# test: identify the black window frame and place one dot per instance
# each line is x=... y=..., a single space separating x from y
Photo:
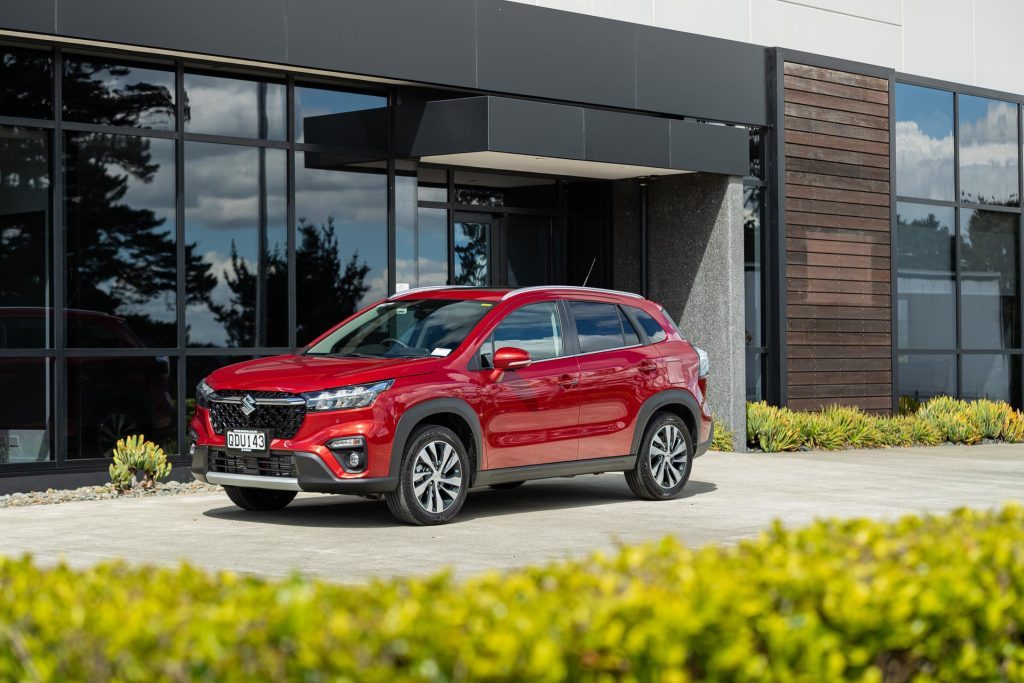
x=960 y=208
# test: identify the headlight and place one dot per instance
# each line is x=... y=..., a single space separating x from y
x=204 y=392
x=704 y=363
x=343 y=398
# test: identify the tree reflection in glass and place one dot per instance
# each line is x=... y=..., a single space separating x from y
x=119 y=211
x=118 y=94
x=25 y=237
x=235 y=216
x=989 y=279
x=925 y=277
x=472 y=254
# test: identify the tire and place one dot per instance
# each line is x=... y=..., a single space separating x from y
x=654 y=477
x=507 y=485
x=259 y=500
x=433 y=478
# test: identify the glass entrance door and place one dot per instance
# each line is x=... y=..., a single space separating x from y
x=472 y=256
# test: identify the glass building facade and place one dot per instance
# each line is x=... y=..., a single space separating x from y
x=957 y=245
x=161 y=219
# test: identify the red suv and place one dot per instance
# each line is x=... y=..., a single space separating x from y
x=435 y=391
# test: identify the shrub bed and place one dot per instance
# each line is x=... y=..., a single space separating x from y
x=939 y=420
x=933 y=598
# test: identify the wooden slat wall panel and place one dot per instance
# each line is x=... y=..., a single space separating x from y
x=838 y=315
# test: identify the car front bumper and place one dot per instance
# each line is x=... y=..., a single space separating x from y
x=311 y=475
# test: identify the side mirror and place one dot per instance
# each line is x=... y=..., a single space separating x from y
x=511 y=358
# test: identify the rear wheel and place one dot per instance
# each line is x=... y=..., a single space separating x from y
x=260 y=500
x=664 y=461
x=433 y=478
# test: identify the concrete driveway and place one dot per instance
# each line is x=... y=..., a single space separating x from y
x=730 y=496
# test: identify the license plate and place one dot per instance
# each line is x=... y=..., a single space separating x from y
x=247 y=440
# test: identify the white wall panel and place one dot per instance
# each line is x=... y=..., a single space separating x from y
x=938 y=39
x=998 y=26
x=827 y=33
x=887 y=11
x=719 y=18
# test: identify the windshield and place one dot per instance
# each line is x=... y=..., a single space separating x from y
x=405 y=329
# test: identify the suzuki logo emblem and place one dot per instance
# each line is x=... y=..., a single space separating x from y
x=248 y=405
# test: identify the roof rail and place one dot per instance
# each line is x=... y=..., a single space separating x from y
x=417 y=290
x=523 y=290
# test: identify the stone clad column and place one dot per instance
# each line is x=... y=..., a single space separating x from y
x=695 y=270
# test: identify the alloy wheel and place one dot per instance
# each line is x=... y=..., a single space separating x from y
x=436 y=476
x=668 y=456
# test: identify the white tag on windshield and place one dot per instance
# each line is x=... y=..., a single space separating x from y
x=440 y=352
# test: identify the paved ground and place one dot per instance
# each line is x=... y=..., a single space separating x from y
x=729 y=497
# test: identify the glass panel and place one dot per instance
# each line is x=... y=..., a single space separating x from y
x=356 y=121
x=341 y=241
x=924 y=142
x=652 y=328
x=432 y=185
x=534 y=328
x=421 y=240
x=472 y=253
x=989 y=273
x=26 y=410
x=629 y=334
x=235 y=200
x=988 y=151
x=753 y=263
x=921 y=376
x=110 y=398
x=528 y=250
x=755 y=376
x=490 y=189
x=118 y=93
x=411 y=327
x=757 y=154
x=926 y=303
x=121 y=261
x=235 y=106
x=995 y=377
x=25 y=248
x=26 y=83
x=196 y=370
x=597 y=326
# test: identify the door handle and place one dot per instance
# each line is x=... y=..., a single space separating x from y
x=647 y=366
x=567 y=381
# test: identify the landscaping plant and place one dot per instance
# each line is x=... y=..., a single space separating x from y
x=938 y=598
x=722 y=440
x=938 y=420
x=133 y=455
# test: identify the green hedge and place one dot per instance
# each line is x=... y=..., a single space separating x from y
x=939 y=420
x=930 y=599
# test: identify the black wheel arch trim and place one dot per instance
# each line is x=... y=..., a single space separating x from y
x=657 y=402
x=418 y=413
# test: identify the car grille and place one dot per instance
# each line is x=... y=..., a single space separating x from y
x=272 y=465
x=282 y=421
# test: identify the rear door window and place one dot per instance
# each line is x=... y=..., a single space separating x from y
x=600 y=326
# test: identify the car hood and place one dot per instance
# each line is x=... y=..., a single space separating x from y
x=295 y=374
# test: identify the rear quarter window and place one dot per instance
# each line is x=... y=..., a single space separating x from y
x=651 y=327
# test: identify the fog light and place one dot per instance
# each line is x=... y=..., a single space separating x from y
x=350 y=452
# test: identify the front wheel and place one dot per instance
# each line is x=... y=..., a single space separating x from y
x=259 y=500
x=433 y=478
x=664 y=461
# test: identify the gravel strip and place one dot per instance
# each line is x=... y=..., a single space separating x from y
x=105 y=492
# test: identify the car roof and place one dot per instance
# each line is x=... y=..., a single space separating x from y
x=502 y=294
